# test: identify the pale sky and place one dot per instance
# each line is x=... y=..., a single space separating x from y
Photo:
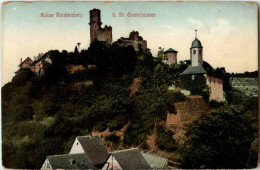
x=227 y=30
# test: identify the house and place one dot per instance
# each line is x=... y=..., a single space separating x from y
x=93 y=147
x=27 y=63
x=68 y=161
x=126 y=159
x=155 y=162
x=170 y=56
x=36 y=65
x=200 y=68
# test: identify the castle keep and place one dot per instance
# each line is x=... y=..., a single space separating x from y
x=96 y=31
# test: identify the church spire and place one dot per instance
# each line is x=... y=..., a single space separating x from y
x=195 y=34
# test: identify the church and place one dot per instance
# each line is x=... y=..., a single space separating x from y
x=199 y=68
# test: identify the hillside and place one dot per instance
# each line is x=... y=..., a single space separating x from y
x=246 y=85
x=125 y=98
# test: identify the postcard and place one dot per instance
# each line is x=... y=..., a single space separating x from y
x=129 y=85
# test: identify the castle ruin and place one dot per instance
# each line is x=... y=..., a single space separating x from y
x=96 y=31
x=134 y=40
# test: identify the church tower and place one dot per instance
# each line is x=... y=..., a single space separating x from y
x=196 y=52
x=95 y=23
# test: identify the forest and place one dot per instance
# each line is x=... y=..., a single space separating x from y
x=42 y=115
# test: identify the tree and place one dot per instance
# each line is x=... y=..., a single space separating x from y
x=219 y=140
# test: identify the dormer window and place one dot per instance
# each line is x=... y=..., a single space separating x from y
x=194 y=51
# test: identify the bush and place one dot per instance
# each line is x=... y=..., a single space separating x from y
x=113 y=138
x=216 y=104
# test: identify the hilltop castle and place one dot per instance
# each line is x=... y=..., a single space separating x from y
x=105 y=34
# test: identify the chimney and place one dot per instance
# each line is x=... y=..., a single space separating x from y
x=21 y=60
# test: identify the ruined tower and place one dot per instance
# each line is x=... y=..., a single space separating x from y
x=96 y=32
x=196 y=52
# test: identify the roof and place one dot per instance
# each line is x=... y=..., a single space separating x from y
x=28 y=58
x=131 y=159
x=94 y=148
x=40 y=57
x=155 y=161
x=170 y=50
x=194 y=70
x=200 y=69
x=71 y=161
x=196 y=44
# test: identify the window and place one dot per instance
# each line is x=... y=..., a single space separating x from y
x=77 y=143
x=194 y=51
x=200 y=52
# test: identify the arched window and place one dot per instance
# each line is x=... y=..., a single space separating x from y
x=194 y=51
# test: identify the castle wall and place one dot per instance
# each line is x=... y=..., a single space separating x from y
x=216 y=88
x=192 y=108
x=105 y=34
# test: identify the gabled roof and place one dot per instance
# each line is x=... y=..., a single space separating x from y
x=131 y=159
x=170 y=50
x=28 y=58
x=71 y=161
x=155 y=161
x=40 y=57
x=94 y=148
x=194 y=70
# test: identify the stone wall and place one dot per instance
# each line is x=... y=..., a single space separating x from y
x=192 y=108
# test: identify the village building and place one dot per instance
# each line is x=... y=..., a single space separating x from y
x=89 y=152
x=170 y=56
x=36 y=65
x=134 y=40
x=68 y=161
x=155 y=162
x=93 y=147
x=200 y=67
x=96 y=31
x=126 y=159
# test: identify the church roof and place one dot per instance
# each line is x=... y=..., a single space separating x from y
x=196 y=44
x=70 y=161
x=171 y=50
x=194 y=70
x=131 y=159
x=94 y=148
x=200 y=69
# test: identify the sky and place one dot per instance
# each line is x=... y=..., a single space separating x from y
x=227 y=30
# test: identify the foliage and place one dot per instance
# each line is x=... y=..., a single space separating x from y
x=165 y=139
x=112 y=138
x=221 y=139
x=41 y=116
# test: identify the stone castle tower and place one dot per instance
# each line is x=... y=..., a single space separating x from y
x=96 y=31
x=196 y=52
